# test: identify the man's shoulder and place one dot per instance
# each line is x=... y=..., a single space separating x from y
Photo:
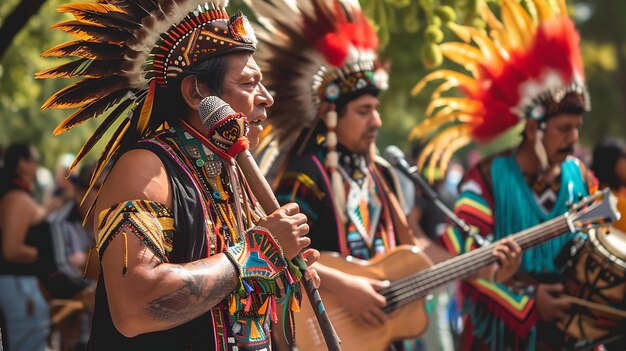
x=139 y=174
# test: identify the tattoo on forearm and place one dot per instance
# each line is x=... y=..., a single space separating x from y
x=197 y=295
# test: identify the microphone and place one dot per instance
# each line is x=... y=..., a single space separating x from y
x=395 y=156
x=214 y=112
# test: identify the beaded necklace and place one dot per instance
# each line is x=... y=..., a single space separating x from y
x=220 y=179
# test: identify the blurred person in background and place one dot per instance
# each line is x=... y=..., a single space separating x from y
x=61 y=191
x=65 y=246
x=609 y=165
x=23 y=307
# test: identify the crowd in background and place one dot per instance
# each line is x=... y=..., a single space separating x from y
x=46 y=281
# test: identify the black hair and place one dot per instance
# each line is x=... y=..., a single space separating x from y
x=342 y=102
x=12 y=156
x=169 y=101
x=605 y=155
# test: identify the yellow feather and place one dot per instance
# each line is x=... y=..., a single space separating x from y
x=83 y=6
x=440 y=120
x=502 y=44
x=456 y=78
x=461 y=31
x=544 y=11
x=518 y=22
x=464 y=105
x=457 y=144
x=489 y=17
x=465 y=55
x=74 y=29
x=146 y=110
x=443 y=141
x=487 y=48
x=562 y=8
x=428 y=149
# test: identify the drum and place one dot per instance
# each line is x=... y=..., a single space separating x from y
x=595 y=283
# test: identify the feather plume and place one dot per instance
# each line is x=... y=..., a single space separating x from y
x=110 y=150
x=511 y=64
x=91 y=110
x=85 y=91
x=102 y=128
x=89 y=31
x=83 y=67
x=102 y=14
x=86 y=49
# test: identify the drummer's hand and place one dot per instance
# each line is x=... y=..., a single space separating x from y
x=509 y=256
x=550 y=304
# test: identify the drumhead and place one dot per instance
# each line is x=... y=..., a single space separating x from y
x=611 y=242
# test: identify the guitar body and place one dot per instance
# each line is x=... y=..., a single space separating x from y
x=406 y=322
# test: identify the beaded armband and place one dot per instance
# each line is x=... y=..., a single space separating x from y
x=150 y=222
x=263 y=273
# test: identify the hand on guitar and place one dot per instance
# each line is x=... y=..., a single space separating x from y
x=361 y=299
x=509 y=256
x=550 y=304
x=289 y=227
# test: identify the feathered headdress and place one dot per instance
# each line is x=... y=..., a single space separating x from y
x=313 y=51
x=310 y=52
x=126 y=49
x=527 y=66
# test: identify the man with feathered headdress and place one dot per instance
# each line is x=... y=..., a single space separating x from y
x=189 y=260
x=323 y=71
x=526 y=69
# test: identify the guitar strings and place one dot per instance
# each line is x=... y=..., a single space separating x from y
x=417 y=284
x=426 y=279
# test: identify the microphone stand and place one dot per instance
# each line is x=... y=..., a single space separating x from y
x=431 y=195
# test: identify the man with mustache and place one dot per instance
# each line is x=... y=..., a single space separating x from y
x=177 y=230
x=541 y=84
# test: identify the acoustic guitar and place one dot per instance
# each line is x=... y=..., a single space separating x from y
x=413 y=277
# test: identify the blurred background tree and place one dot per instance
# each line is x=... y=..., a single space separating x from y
x=408 y=29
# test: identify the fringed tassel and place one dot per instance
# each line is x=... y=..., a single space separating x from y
x=332 y=162
x=242 y=144
x=88 y=261
x=540 y=149
x=125 y=267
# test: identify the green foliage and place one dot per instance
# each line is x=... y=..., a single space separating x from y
x=407 y=29
x=410 y=51
x=21 y=95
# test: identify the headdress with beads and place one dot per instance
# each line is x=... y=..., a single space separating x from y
x=527 y=65
x=313 y=52
x=127 y=49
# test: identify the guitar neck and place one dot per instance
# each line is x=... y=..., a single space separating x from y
x=420 y=284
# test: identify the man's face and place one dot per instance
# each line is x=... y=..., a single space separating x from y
x=245 y=93
x=560 y=136
x=358 y=127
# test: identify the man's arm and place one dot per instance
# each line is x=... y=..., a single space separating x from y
x=154 y=295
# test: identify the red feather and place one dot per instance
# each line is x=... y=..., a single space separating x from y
x=555 y=49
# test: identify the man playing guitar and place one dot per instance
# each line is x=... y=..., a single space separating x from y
x=526 y=186
x=331 y=170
